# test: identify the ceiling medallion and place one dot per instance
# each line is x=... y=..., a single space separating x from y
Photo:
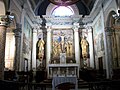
x=63 y=2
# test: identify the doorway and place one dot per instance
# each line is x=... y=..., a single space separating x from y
x=25 y=65
x=100 y=64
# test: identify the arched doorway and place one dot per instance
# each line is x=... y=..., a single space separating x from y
x=114 y=36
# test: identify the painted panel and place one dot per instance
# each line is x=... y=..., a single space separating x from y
x=98 y=36
x=62 y=42
x=27 y=39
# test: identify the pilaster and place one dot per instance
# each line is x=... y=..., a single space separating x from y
x=48 y=43
x=91 y=47
x=34 y=63
x=76 y=42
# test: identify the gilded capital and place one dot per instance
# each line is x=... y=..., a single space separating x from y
x=34 y=30
x=89 y=28
x=76 y=26
x=48 y=25
x=4 y=20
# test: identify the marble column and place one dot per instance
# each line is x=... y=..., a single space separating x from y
x=34 y=63
x=17 y=47
x=108 y=51
x=3 y=24
x=76 y=43
x=48 y=44
x=91 y=47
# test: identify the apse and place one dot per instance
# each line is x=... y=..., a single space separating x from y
x=63 y=11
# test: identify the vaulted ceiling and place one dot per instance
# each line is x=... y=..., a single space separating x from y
x=40 y=6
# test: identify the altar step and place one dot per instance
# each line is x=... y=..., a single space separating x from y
x=81 y=83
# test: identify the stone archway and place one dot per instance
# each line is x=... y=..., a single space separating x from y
x=113 y=39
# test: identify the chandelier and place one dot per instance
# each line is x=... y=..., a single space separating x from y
x=63 y=2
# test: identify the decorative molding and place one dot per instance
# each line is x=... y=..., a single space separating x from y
x=109 y=29
x=112 y=29
x=63 y=2
x=61 y=22
x=116 y=27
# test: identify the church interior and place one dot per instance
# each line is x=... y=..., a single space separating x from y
x=60 y=44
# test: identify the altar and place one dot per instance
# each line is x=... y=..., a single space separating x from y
x=63 y=70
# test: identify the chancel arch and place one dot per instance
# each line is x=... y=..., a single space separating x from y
x=62 y=40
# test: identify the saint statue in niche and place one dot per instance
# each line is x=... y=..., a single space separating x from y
x=84 y=46
x=41 y=49
x=56 y=48
x=55 y=51
x=69 y=48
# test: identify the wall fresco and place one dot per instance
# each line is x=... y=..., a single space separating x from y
x=27 y=38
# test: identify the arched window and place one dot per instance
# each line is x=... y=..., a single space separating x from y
x=63 y=11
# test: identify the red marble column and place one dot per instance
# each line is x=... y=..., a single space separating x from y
x=2 y=49
x=17 y=46
x=4 y=22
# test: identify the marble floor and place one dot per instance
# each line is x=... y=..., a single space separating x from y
x=70 y=89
